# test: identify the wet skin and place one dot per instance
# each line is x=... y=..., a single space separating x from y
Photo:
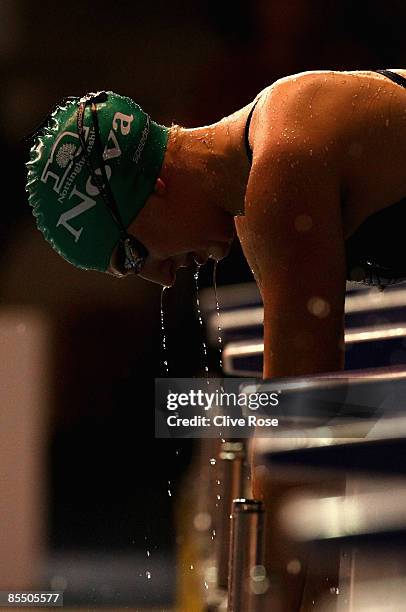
x=329 y=150
x=180 y=231
x=185 y=248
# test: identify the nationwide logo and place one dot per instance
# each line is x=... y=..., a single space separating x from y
x=65 y=155
x=65 y=152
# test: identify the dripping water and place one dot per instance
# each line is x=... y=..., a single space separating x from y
x=164 y=366
x=199 y=316
x=219 y=334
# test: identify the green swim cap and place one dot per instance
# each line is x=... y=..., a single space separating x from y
x=68 y=206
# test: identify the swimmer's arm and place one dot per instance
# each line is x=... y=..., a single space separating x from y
x=300 y=272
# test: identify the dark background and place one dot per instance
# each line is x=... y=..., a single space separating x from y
x=185 y=62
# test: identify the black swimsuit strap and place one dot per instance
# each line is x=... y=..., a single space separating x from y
x=247 y=132
x=393 y=76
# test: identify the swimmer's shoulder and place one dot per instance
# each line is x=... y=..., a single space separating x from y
x=292 y=110
x=325 y=106
x=304 y=82
x=307 y=93
x=311 y=94
x=352 y=123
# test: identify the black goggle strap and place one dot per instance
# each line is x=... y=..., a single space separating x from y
x=134 y=251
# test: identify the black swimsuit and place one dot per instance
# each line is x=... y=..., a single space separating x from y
x=375 y=253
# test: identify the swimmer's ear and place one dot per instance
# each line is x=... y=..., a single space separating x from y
x=160 y=187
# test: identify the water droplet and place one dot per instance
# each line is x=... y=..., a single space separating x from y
x=200 y=319
x=192 y=567
x=212 y=461
x=318 y=307
x=311 y=152
x=294 y=567
x=219 y=336
x=163 y=336
x=169 y=493
x=218 y=482
x=202 y=521
x=148 y=575
x=148 y=553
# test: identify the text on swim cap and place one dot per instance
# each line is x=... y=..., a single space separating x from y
x=63 y=155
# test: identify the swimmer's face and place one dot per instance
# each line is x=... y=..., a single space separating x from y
x=179 y=234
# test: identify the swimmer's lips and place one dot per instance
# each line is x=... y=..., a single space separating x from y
x=187 y=261
x=200 y=258
x=192 y=259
